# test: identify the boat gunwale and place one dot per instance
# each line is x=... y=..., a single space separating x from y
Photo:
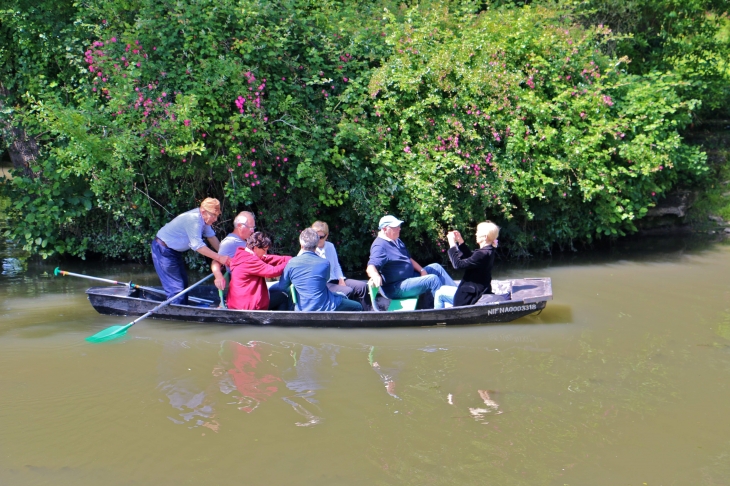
x=473 y=314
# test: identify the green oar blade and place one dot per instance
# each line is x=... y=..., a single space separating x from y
x=109 y=333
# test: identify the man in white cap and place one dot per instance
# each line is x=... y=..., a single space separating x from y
x=391 y=267
x=184 y=233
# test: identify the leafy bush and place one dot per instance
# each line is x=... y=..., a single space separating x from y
x=684 y=37
x=301 y=110
x=517 y=116
x=194 y=99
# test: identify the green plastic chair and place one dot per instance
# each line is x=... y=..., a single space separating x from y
x=294 y=296
x=224 y=293
x=395 y=304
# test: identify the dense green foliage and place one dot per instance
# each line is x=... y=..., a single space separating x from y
x=341 y=111
x=681 y=36
x=519 y=117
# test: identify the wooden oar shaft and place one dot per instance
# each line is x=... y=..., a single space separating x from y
x=163 y=304
x=106 y=280
x=128 y=284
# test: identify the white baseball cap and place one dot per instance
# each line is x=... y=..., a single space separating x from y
x=389 y=220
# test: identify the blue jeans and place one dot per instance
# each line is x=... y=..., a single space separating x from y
x=443 y=295
x=170 y=267
x=348 y=305
x=417 y=285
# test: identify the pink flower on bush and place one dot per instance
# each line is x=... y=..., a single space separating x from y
x=240 y=102
x=407 y=150
x=186 y=123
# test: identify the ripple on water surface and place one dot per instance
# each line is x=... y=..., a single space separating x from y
x=621 y=380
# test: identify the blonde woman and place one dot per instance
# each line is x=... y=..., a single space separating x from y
x=477 y=264
x=356 y=290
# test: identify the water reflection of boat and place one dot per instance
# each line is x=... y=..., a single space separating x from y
x=528 y=295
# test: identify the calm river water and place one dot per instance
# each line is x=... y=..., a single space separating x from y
x=623 y=379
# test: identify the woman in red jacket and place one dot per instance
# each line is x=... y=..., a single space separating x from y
x=250 y=268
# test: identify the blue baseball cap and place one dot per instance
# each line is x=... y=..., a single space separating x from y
x=389 y=220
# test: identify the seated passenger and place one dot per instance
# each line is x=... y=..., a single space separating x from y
x=352 y=289
x=478 y=264
x=309 y=274
x=392 y=267
x=250 y=268
x=243 y=227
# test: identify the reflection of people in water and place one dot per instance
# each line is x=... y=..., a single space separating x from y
x=248 y=373
x=193 y=400
x=254 y=374
x=249 y=377
x=479 y=414
x=191 y=405
x=303 y=379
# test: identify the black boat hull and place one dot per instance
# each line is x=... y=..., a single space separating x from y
x=528 y=296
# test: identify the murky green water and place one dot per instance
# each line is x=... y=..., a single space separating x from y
x=623 y=379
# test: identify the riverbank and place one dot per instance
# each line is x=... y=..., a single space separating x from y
x=701 y=206
x=712 y=205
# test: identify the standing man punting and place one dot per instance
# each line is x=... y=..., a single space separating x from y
x=183 y=233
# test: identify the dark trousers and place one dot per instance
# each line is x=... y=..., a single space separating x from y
x=279 y=299
x=356 y=290
x=170 y=267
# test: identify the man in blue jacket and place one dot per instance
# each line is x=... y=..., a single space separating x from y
x=391 y=266
x=309 y=274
